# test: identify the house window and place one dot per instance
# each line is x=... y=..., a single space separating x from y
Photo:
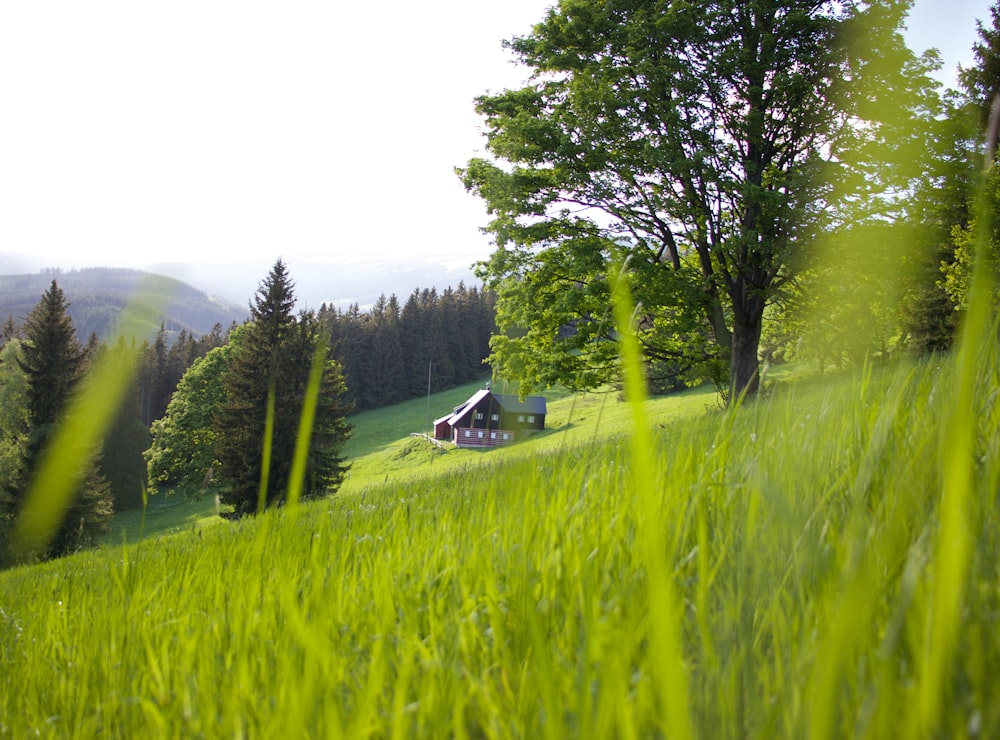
x=506 y=436
x=495 y=417
x=468 y=433
x=479 y=416
x=531 y=419
x=520 y=418
x=480 y=435
x=493 y=435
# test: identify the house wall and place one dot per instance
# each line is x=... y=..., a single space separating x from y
x=521 y=420
x=468 y=437
x=496 y=417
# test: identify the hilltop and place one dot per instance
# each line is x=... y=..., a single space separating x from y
x=97 y=296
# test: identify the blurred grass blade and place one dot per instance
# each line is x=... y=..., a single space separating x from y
x=665 y=629
x=265 y=455
x=306 y=421
x=953 y=549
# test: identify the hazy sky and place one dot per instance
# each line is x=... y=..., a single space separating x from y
x=134 y=133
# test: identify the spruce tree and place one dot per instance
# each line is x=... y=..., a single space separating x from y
x=271 y=359
x=53 y=363
x=981 y=80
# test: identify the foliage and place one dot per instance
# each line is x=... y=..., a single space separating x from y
x=691 y=139
x=13 y=428
x=981 y=80
x=943 y=204
x=163 y=364
x=957 y=275
x=181 y=457
x=257 y=423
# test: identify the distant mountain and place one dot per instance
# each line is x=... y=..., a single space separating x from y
x=338 y=279
x=97 y=296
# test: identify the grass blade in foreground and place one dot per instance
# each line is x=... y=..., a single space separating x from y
x=306 y=421
x=654 y=537
x=953 y=549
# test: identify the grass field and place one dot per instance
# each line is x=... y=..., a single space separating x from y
x=776 y=570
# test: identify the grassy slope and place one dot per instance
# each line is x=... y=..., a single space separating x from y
x=380 y=448
x=798 y=538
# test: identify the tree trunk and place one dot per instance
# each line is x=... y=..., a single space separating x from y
x=744 y=368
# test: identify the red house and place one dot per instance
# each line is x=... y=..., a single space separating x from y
x=491 y=419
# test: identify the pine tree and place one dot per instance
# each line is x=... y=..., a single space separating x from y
x=53 y=363
x=981 y=80
x=271 y=359
x=945 y=203
x=325 y=467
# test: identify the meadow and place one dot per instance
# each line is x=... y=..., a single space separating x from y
x=787 y=567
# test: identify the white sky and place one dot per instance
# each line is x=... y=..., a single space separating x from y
x=134 y=133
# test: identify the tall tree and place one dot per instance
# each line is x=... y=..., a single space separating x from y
x=685 y=140
x=265 y=384
x=981 y=80
x=941 y=203
x=53 y=363
x=980 y=86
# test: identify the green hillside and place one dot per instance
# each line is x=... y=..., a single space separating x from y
x=381 y=449
x=789 y=568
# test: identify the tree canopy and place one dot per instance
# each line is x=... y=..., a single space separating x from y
x=705 y=146
x=181 y=457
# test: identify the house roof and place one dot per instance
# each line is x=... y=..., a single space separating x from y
x=513 y=404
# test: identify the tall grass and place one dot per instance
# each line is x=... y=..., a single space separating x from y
x=798 y=538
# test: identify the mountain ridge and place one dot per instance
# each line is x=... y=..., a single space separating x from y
x=336 y=279
x=97 y=296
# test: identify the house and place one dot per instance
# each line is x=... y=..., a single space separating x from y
x=490 y=419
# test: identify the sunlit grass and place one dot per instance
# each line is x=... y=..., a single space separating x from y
x=514 y=600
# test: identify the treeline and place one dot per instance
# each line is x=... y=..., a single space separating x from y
x=389 y=351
